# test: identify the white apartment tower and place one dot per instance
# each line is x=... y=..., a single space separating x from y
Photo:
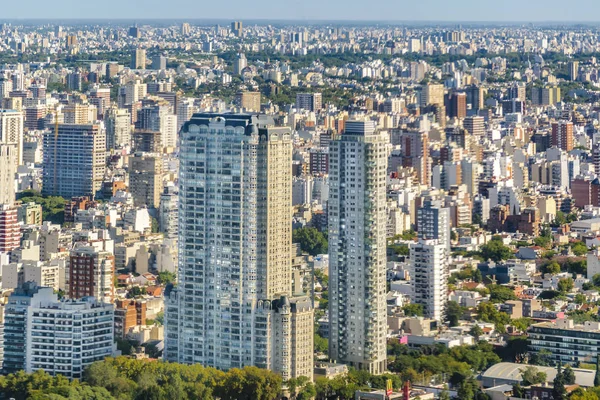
x=118 y=128
x=429 y=276
x=59 y=337
x=232 y=306
x=357 y=247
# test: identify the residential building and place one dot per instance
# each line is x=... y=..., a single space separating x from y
x=74 y=160
x=146 y=179
x=309 y=101
x=91 y=273
x=11 y=131
x=562 y=135
x=8 y=170
x=232 y=303
x=357 y=250
x=118 y=128
x=10 y=231
x=32 y=341
x=138 y=59
x=248 y=101
x=566 y=341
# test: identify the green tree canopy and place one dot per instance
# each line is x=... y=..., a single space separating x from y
x=311 y=240
x=496 y=251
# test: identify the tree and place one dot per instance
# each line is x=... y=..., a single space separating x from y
x=413 y=310
x=518 y=391
x=552 y=268
x=311 y=240
x=559 y=392
x=154 y=228
x=565 y=285
x=597 y=375
x=166 y=277
x=501 y=294
x=580 y=299
x=453 y=313
x=320 y=343
x=476 y=331
x=543 y=241
x=532 y=376
x=569 y=375
x=496 y=251
x=579 y=249
x=521 y=323
x=541 y=358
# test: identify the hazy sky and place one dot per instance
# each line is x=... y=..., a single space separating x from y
x=389 y=10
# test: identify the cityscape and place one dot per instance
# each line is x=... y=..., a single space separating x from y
x=299 y=209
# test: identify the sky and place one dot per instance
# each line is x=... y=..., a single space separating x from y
x=357 y=10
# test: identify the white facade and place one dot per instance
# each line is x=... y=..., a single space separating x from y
x=57 y=337
x=429 y=276
x=11 y=131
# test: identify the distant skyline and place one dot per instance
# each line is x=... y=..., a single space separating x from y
x=298 y=10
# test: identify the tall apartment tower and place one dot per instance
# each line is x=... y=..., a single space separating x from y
x=86 y=332
x=429 y=276
x=232 y=307
x=433 y=222
x=237 y=28
x=429 y=258
x=474 y=125
x=8 y=169
x=357 y=242
x=415 y=153
x=74 y=160
x=10 y=229
x=11 y=131
x=168 y=211
x=138 y=59
x=91 y=273
x=562 y=135
x=118 y=128
x=146 y=179
x=432 y=94
x=309 y=101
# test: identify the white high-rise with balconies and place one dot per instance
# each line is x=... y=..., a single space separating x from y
x=429 y=276
x=232 y=306
x=357 y=247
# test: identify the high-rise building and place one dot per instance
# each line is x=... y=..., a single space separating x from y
x=309 y=101
x=232 y=306
x=159 y=118
x=168 y=211
x=250 y=101
x=91 y=273
x=146 y=179
x=475 y=97
x=545 y=96
x=185 y=110
x=239 y=64
x=74 y=81
x=86 y=332
x=74 y=160
x=138 y=59
x=185 y=29
x=11 y=131
x=415 y=153
x=147 y=141
x=456 y=105
x=118 y=128
x=10 y=230
x=237 y=28
x=159 y=62
x=562 y=135
x=474 y=125
x=135 y=32
x=8 y=169
x=429 y=277
x=433 y=222
x=432 y=94
x=573 y=70
x=357 y=242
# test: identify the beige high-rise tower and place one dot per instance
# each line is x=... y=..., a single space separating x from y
x=233 y=304
x=357 y=247
x=146 y=179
